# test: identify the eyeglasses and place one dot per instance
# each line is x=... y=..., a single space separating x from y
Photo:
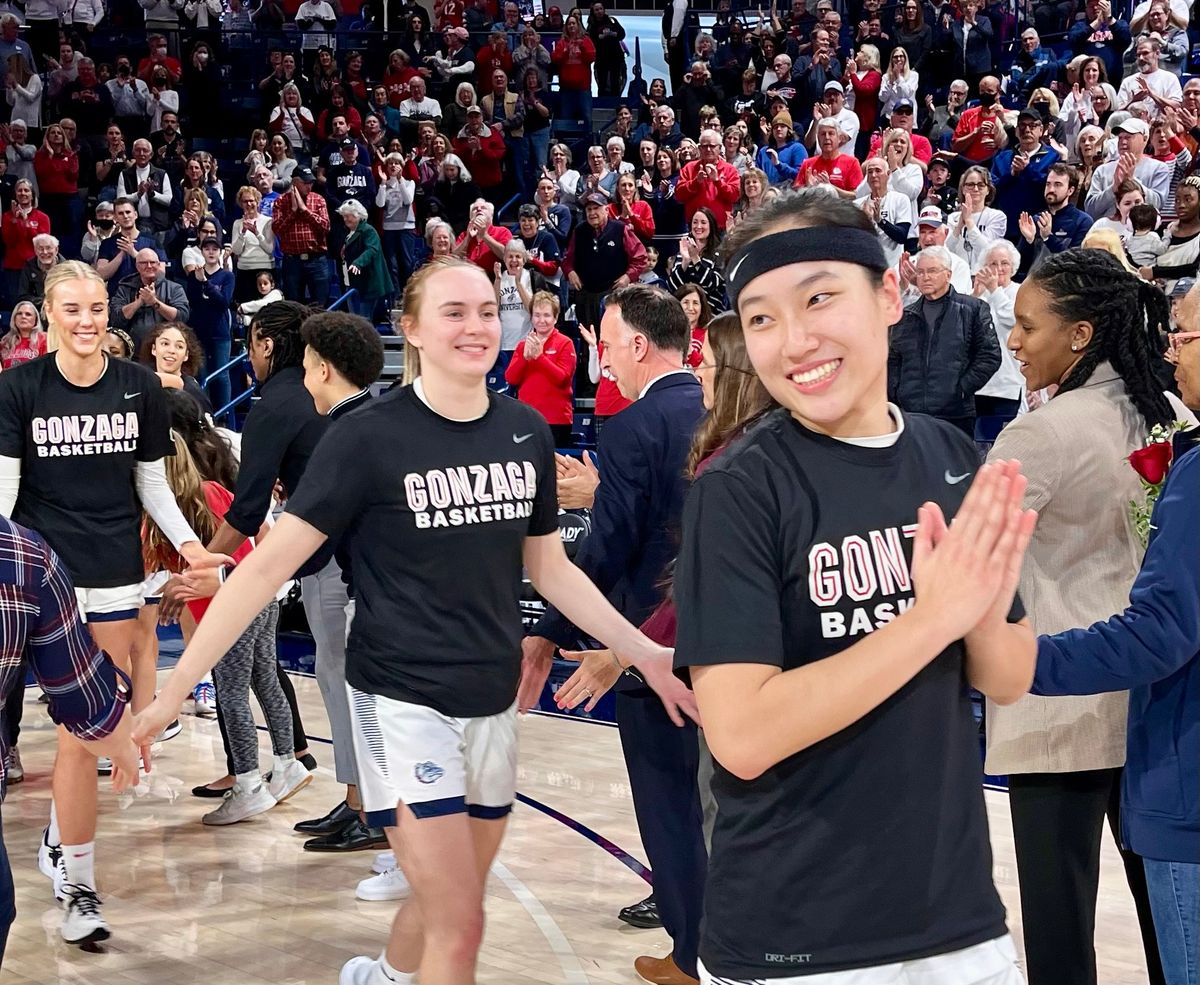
x=1176 y=341
x=974 y=184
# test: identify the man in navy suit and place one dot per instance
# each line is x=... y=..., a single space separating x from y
x=635 y=521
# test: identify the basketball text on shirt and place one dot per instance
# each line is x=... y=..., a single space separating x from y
x=85 y=434
x=468 y=494
x=859 y=570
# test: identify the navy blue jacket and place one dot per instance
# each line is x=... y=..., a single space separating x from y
x=1150 y=648
x=635 y=519
x=1025 y=192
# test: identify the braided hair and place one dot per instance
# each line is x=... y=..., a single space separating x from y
x=1127 y=315
x=280 y=322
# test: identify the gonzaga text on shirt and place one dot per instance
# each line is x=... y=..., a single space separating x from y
x=84 y=434
x=858 y=570
x=467 y=494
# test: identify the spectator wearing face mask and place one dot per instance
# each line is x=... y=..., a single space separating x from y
x=980 y=131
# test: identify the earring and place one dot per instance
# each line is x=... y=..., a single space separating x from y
x=1074 y=348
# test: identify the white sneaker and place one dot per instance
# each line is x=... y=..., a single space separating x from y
x=288 y=781
x=362 y=971
x=14 y=772
x=204 y=696
x=52 y=864
x=390 y=885
x=383 y=862
x=240 y=804
x=103 y=766
x=83 y=922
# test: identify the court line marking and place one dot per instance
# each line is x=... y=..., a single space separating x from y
x=568 y=960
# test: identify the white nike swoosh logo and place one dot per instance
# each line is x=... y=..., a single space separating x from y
x=954 y=480
x=130 y=396
x=517 y=439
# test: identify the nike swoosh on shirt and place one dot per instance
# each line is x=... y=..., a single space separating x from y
x=517 y=439
x=954 y=480
x=130 y=396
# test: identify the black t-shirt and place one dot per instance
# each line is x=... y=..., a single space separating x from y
x=78 y=447
x=871 y=846
x=436 y=513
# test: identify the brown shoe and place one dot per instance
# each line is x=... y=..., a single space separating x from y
x=662 y=971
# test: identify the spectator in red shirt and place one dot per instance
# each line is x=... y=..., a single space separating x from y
x=572 y=58
x=158 y=56
x=903 y=117
x=980 y=131
x=482 y=149
x=300 y=221
x=57 y=168
x=631 y=210
x=864 y=77
x=709 y=181
x=830 y=168
x=20 y=224
x=493 y=55
x=543 y=369
x=482 y=242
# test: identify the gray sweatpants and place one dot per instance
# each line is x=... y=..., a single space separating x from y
x=250 y=663
x=324 y=598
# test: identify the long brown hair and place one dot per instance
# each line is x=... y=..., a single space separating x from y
x=739 y=398
x=187 y=484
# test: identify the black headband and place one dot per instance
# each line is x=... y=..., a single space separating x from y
x=767 y=253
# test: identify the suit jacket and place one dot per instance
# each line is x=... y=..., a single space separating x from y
x=1079 y=569
x=635 y=519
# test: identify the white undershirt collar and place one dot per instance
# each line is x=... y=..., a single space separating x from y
x=880 y=440
x=662 y=376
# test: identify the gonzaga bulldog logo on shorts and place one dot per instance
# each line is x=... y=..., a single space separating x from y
x=428 y=772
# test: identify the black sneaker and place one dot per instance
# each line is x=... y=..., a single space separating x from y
x=643 y=915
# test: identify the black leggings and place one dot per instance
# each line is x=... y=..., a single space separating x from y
x=14 y=709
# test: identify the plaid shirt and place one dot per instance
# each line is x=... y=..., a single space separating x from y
x=39 y=622
x=299 y=233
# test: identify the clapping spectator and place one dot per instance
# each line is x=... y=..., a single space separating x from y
x=23 y=91
x=33 y=274
x=710 y=182
x=252 y=244
x=481 y=149
x=1019 y=173
x=899 y=84
x=163 y=98
x=976 y=224
x=57 y=169
x=967 y=42
x=531 y=53
x=25 y=339
x=21 y=223
x=210 y=294
x=18 y=153
x=1150 y=88
x=572 y=57
x=699 y=260
x=452 y=64
x=454 y=192
x=1154 y=176
x=543 y=368
x=300 y=220
x=1102 y=35
x=147 y=298
x=293 y=119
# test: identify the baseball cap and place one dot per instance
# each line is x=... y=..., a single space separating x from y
x=303 y=174
x=209 y=242
x=528 y=211
x=834 y=85
x=1182 y=286
x=595 y=198
x=944 y=158
x=1030 y=114
x=474 y=109
x=931 y=215
x=459 y=32
x=347 y=142
x=1133 y=125
x=903 y=106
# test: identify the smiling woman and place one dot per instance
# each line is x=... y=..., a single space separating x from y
x=798 y=539
x=82 y=442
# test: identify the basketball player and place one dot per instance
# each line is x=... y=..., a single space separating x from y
x=82 y=440
x=445 y=489
x=851 y=840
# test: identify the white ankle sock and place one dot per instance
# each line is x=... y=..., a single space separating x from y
x=392 y=975
x=53 y=835
x=248 y=782
x=80 y=861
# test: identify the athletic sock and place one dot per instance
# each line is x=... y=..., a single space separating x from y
x=80 y=862
x=392 y=975
x=53 y=835
x=248 y=782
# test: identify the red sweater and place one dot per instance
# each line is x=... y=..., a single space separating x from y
x=545 y=383
x=18 y=236
x=573 y=59
x=866 y=98
x=695 y=189
x=484 y=164
x=487 y=60
x=57 y=174
x=642 y=219
x=609 y=399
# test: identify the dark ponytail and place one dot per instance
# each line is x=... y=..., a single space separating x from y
x=1127 y=315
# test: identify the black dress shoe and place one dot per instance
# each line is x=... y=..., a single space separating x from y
x=354 y=837
x=204 y=790
x=332 y=822
x=643 y=915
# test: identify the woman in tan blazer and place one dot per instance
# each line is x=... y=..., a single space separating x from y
x=1086 y=325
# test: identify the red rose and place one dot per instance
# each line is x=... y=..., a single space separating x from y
x=1151 y=462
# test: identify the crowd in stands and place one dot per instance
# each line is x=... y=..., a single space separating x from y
x=472 y=131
